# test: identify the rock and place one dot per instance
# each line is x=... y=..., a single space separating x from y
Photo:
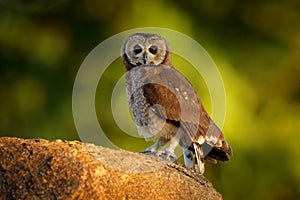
x=42 y=169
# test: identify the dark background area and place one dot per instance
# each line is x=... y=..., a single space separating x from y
x=255 y=45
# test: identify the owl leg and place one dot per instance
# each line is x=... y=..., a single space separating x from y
x=199 y=157
x=188 y=156
x=154 y=147
x=167 y=153
x=170 y=150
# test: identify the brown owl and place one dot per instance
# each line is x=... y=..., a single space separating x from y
x=165 y=105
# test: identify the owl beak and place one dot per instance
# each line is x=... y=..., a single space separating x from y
x=144 y=58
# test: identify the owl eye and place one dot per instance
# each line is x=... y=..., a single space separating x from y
x=153 y=49
x=137 y=49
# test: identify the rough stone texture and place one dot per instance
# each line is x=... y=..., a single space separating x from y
x=42 y=169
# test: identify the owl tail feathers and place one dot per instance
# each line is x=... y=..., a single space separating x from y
x=215 y=154
x=211 y=154
x=199 y=154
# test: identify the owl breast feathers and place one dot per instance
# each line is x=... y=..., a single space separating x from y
x=165 y=105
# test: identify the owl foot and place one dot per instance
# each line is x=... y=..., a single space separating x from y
x=169 y=155
x=163 y=154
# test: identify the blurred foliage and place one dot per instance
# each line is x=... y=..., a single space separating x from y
x=255 y=45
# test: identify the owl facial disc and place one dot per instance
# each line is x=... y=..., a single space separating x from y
x=145 y=49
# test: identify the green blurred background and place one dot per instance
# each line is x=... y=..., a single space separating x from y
x=255 y=44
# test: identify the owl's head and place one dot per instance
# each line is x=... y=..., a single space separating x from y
x=145 y=49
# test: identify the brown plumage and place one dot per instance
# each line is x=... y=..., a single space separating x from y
x=165 y=105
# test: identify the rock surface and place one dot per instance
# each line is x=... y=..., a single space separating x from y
x=42 y=169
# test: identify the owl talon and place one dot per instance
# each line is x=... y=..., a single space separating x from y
x=166 y=155
x=147 y=152
x=170 y=155
x=162 y=154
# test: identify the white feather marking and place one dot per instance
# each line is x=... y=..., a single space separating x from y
x=186 y=97
x=211 y=139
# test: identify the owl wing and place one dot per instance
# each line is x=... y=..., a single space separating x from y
x=179 y=102
x=181 y=105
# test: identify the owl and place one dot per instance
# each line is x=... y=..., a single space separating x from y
x=165 y=105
